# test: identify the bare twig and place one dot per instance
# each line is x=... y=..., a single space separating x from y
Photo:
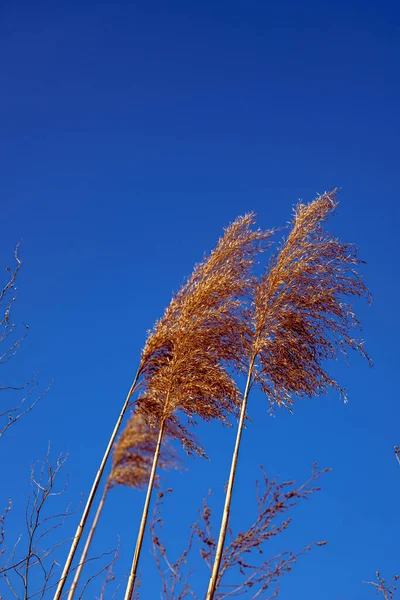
x=387 y=590
x=15 y=413
x=39 y=526
x=175 y=583
x=241 y=558
x=9 y=347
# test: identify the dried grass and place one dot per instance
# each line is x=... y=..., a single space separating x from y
x=133 y=455
x=185 y=357
x=301 y=316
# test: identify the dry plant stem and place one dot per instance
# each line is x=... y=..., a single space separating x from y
x=87 y=545
x=96 y=482
x=228 y=498
x=132 y=575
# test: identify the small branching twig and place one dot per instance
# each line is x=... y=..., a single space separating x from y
x=15 y=413
x=387 y=590
x=9 y=346
x=2 y=526
x=37 y=553
x=108 y=568
x=172 y=577
x=254 y=578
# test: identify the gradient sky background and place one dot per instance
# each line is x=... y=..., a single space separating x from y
x=131 y=134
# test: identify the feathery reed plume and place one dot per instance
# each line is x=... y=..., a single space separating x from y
x=131 y=464
x=299 y=318
x=186 y=354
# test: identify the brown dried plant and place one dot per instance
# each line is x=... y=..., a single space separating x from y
x=185 y=356
x=244 y=570
x=131 y=464
x=299 y=318
x=200 y=329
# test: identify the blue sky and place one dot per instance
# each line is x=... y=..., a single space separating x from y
x=131 y=134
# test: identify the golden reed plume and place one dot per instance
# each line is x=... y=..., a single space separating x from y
x=299 y=318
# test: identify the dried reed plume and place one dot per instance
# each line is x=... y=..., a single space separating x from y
x=299 y=318
x=184 y=359
x=131 y=465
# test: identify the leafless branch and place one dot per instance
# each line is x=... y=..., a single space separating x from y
x=108 y=568
x=2 y=526
x=387 y=590
x=15 y=413
x=173 y=576
x=9 y=347
x=239 y=561
x=33 y=555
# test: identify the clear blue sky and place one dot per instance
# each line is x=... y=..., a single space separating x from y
x=131 y=133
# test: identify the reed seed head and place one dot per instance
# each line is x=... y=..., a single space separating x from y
x=302 y=316
x=133 y=454
x=184 y=362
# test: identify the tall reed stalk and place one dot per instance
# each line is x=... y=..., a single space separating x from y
x=187 y=351
x=143 y=522
x=95 y=485
x=131 y=466
x=228 y=498
x=89 y=539
x=298 y=320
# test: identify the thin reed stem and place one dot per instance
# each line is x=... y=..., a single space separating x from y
x=87 y=545
x=228 y=498
x=96 y=482
x=139 y=541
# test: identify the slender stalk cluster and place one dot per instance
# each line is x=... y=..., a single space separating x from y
x=279 y=330
x=186 y=356
x=131 y=466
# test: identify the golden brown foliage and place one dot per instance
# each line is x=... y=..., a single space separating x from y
x=185 y=357
x=301 y=317
x=133 y=454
